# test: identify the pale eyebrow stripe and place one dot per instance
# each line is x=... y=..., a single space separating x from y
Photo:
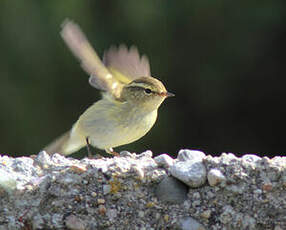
x=135 y=84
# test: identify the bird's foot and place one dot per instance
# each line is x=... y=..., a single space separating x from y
x=112 y=152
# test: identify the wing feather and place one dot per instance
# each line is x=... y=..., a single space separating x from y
x=101 y=78
x=126 y=65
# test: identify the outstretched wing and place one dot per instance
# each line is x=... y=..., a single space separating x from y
x=101 y=78
x=126 y=65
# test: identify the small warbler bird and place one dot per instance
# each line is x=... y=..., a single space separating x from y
x=130 y=97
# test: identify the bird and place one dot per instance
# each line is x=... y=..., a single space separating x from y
x=130 y=97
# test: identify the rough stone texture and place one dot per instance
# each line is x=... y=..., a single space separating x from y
x=171 y=190
x=191 y=155
x=189 y=168
x=164 y=160
x=55 y=192
x=215 y=177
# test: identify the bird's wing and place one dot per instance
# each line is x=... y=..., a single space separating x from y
x=101 y=78
x=126 y=65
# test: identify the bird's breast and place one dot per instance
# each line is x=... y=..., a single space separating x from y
x=110 y=126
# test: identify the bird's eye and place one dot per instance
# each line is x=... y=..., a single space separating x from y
x=148 y=91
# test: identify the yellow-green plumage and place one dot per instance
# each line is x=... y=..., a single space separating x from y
x=131 y=97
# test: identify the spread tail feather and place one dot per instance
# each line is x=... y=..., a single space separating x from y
x=65 y=144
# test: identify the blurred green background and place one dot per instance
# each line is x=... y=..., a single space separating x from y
x=224 y=60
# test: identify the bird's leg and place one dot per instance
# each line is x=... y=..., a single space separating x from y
x=111 y=151
x=89 y=154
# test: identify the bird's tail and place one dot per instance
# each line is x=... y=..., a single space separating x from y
x=65 y=144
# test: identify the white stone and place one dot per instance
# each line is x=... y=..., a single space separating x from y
x=193 y=155
x=191 y=173
x=112 y=214
x=215 y=177
x=43 y=158
x=147 y=153
x=141 y=214
x=189 y=223
x=164 y=160
x=106 y=189
x=7 y=180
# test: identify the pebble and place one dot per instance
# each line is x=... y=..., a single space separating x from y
x=100 y=201
x=215 y=176
x=190 y=155
x=141 y=214
x=166 y=218
x=72 y=222
x=43 y=159
x=147 y=154
x=126 y=154
x=164 y=161
x=251 y=158
x=102 y=209
x=189 y=168
x=171 y=190
x=7 y=181
x=93 y=194
x=191 y=173
x=111 y=214
x=106 y=189
x=206 y=214
x=139 y=172
x=189 y=223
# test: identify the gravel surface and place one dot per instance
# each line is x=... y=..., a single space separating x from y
x=192 y=192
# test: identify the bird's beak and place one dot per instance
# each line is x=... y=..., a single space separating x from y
x=168 y=94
